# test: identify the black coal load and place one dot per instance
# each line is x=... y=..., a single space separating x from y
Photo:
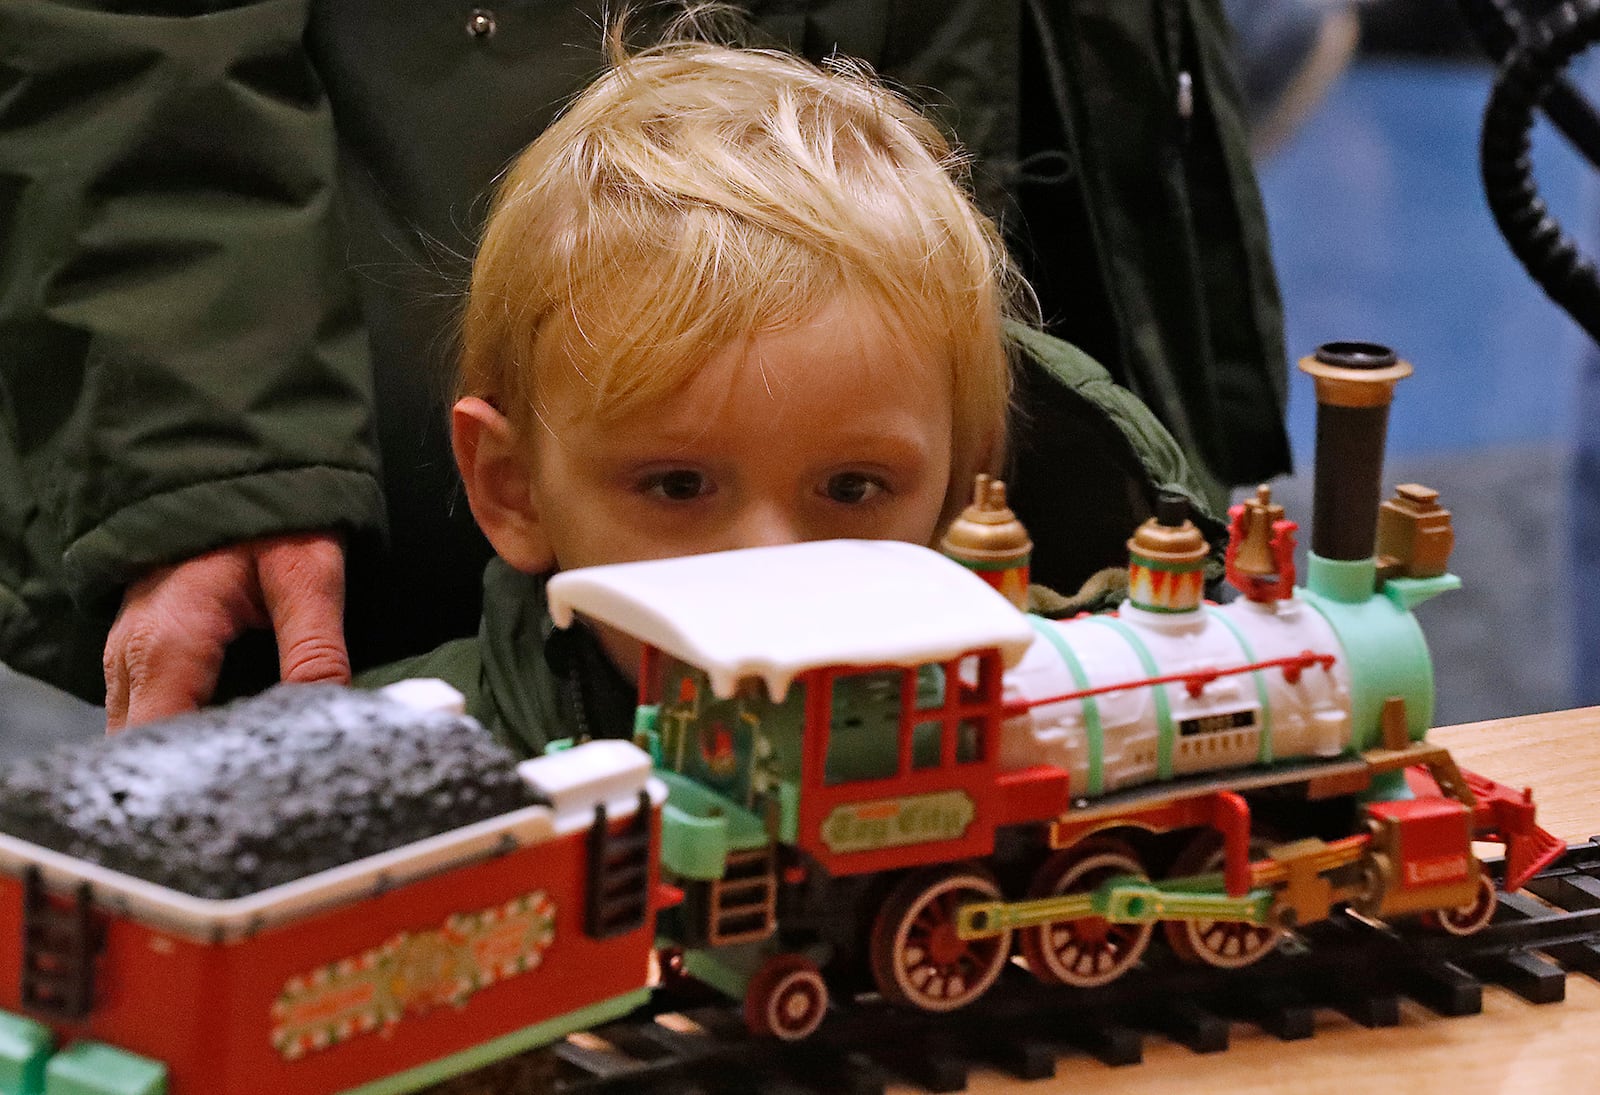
x=232 y=800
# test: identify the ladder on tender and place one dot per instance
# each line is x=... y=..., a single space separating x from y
x=58 y=950
x=744 y=901
x=618 y=895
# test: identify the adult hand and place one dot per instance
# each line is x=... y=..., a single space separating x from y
x=165 y=649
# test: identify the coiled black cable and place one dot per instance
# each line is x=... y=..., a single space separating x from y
x=1497 y=25
x=1534 y=62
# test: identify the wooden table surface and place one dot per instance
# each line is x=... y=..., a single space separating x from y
x=1512 y=1046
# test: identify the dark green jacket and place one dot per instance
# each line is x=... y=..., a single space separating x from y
x=524 y=679
x=233 y=235
x=530 y=683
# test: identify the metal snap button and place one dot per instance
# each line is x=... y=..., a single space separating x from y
x=481 y=24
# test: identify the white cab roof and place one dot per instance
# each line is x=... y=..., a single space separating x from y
x=775 y=612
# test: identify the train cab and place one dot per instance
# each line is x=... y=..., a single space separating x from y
x=843 y=698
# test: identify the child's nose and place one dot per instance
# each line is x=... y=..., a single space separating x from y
x=766 y=526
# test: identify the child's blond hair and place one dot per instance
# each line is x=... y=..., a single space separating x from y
x=696 y=195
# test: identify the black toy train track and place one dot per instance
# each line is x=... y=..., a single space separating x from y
x=1025 y=1029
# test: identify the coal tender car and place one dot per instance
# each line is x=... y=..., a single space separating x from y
x=315 y=891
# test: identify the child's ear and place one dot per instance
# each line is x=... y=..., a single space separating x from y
x=498 y=475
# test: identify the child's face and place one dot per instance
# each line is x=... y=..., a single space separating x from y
x=811 y=433
x=831 y=429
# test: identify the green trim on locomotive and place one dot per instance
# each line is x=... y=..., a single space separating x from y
x=1385 y=650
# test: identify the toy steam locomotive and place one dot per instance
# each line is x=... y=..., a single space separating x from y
x=859 y=767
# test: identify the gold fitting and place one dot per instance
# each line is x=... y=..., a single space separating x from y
x=1255 y=552
x=1170 y=543
x=1420 y=499
x=1355 y=374
x=987 y=530
x=1415 y=534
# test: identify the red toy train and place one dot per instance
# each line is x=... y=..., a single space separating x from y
x=862 y=769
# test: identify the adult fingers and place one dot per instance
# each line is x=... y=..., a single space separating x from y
x=302 y=588
x=165 y=649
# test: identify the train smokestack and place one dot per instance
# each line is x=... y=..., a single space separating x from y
x=1355 y=385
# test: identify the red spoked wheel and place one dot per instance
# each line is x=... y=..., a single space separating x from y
x=1092 y=951
x=917 y=958
x=1226 y=944
x=1468 y=918
x=786 y=999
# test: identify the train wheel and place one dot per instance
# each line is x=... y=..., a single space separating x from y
x=1226 y=944
x=917 y=958
x=786 y=999
x=1092 y=951
x=1468 y=918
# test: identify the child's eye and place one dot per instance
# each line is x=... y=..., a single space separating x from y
x=851 y=488
x=677 y=485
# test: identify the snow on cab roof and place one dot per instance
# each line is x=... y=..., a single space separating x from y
x=775 y=612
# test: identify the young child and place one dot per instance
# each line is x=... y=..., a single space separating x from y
x=728 y=299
